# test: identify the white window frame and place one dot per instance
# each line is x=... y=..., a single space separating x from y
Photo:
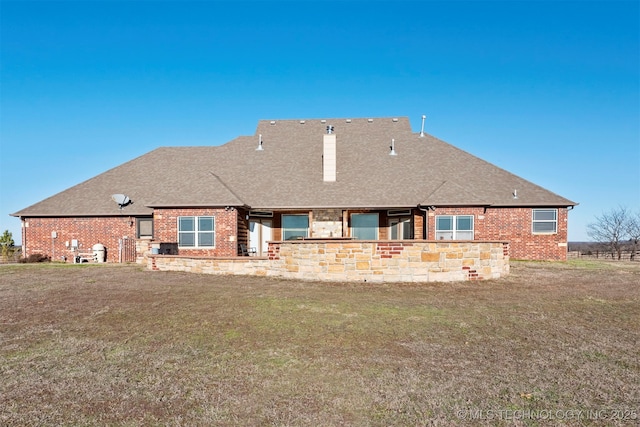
x=197 y=233
x=454 y=233
x=535 y=221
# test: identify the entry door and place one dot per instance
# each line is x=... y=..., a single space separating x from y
x=259 y=235
x=400 y=229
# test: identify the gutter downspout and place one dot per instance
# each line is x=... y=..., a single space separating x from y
x=425 y=226
x=24 y=237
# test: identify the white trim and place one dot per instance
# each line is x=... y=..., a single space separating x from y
x=544 y=221
x=196 y=231
x=452 y=234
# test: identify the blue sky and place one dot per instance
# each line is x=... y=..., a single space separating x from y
x=546 y=90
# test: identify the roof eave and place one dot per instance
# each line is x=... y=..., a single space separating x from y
x=79 y=214
x=289 y=208
x=198 y=205
x=533 y=205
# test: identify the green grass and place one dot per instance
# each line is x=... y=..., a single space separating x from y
x=581 y=263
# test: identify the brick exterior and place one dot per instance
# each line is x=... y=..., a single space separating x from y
x=36 y=235
x=231 y=230
x=513 y=225
x=165 y=224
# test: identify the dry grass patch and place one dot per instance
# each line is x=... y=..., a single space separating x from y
x=117 y=345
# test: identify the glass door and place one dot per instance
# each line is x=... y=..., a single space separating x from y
x=400 y=229
x=259 y=235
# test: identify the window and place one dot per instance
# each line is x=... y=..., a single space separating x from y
x=544 y=221
x=196 y=231
x=145 y=227
x=399 y=212
x=295 y=226
x=364 y=226
x=454 y=227
x=464 y=227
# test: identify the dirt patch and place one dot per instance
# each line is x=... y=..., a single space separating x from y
x=118 y=345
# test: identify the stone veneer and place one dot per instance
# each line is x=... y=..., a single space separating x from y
x=357 y=261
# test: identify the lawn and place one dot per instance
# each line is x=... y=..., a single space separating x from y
x=550 y=344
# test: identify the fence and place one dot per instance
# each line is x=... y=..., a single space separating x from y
x=11 y=259
x=626 y=255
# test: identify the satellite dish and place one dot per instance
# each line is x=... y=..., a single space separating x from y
x=121 y=200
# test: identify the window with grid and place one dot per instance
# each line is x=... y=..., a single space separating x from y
x=196 y=231
x=454 y=227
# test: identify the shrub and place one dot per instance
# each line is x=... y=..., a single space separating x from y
x=35 y=258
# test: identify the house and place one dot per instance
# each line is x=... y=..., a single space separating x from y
x=365 y=178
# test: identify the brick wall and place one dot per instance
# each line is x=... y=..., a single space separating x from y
x=165 y=223
x=36 y=235
x=492 y=224
x=513 y=225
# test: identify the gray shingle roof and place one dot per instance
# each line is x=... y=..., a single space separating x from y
x=287 y=173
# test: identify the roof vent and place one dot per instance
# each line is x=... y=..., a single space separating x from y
x=259 y=143
x=422 y=130
x=370 y=120
x=273 y=122
x=348 y=120
x=323 y=121
x=393 y=148
x=394 y=120
x=301 y=122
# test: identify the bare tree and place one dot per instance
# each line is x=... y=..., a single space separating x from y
x=633 y=231
x=611 y=229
